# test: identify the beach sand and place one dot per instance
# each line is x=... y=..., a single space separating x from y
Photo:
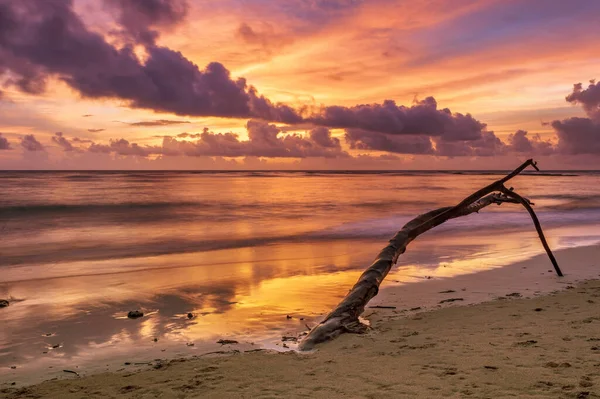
x=518 y=331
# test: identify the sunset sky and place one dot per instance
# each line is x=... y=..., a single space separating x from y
x=299 y=84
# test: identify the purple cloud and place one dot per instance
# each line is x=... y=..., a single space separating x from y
x=577 y=136
x=422 y=118
x=487 y=145
x=29 y=143
x=42 y=39
x=140 y=18
x=588 y=98
x=62 y=142
x=322 y=136
x=406 y=144
x=4 y=144
x=519 y=142
x=265 y=140
x=96 y=130
x=123 y=147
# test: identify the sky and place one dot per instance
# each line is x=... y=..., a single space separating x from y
x=299 y=84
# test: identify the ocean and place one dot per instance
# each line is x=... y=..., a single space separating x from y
x=241 y=251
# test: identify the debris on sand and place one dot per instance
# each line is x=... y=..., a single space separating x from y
x=226 y=342
x=451 y=300
x=135 y=314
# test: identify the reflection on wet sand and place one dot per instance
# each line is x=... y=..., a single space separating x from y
x=246 y=294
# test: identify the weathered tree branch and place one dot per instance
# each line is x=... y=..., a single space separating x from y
x=344 y=318
x=536 y=222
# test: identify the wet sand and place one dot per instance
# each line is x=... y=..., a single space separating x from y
x=535 y=336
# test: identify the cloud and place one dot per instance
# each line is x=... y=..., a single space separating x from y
x=265 y=38
x=423 y=118
x=159 y=122
x=322 y=136
x=519 y=142
x=43 y=39
x=588 y=98
x=140 y=18
x=580 y=136
x=87 y=115
x=95 y=130
x=264 y=141
x=82 y=141
x=487 y=145
x=62 y=142
x=577 y=136
x=407 y=144
x=4 y=144
x=190 y=135
x=29 y=143
x=123 y=147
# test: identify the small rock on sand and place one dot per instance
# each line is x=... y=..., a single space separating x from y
x=4 y=303
x=135 y=314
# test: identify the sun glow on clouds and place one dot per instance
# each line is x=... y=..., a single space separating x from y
x=509 y=64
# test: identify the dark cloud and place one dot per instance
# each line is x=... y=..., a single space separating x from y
x=264 y=140
x=422 y=118
x=322 y=136
x=87 y=115
x=577 y=136
x=141 y=18
x=123 y=147
x=62 y=142
x=29 y=143
x=42 y=39
x=4 y=144
x=159 y=122
x=533 y=145
x=488 y=145
x=96 y=130
x=406 y=144
x=588 y=98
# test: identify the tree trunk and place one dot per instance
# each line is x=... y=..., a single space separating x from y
x=344 y=318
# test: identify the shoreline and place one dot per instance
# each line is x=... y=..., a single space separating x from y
x=529 y=278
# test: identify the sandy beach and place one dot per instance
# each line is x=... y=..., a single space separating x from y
x=517 y=331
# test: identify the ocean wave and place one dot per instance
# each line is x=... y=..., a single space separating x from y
x=14 y=210
x=380 y=227
x=375 y=228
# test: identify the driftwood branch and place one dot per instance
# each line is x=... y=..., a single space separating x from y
x=344 y=318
